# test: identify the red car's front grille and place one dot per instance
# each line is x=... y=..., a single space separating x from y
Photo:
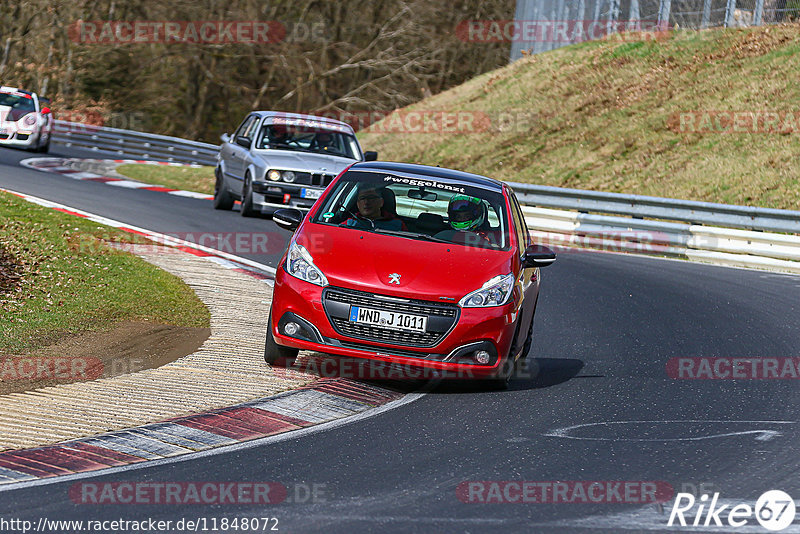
x=441 y=317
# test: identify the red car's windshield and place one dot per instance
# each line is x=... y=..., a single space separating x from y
x=437 y=211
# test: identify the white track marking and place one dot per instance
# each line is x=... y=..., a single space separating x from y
x=761 y=434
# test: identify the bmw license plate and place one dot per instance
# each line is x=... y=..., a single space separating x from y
x=310 y=193
x=384 y=319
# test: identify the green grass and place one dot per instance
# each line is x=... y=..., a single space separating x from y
x=200 y=179
x=602 y=116
x=70 y=281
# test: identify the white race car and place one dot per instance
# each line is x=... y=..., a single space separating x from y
x=25 y=120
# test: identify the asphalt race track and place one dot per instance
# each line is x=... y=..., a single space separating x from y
x=607 y=325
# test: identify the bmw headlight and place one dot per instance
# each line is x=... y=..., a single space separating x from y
x=495 y=292
x=300 y=264
x=274 y=175
x=288 y=176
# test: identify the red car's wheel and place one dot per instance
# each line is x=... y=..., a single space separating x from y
x=275 y=354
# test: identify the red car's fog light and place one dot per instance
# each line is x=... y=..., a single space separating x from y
x=291 y=328
x=482 y=357
x=479 y=353
x=292 y=325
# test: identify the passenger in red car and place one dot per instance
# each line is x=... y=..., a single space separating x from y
x=467 y=216
x=372 y=212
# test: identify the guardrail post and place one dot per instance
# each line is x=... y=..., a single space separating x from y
x=554 y=6
x=664 y=9
x=613 y=17
x=596 y=18
x=758 y=15
x=535 y=13
x=635 y=16
x=561 y=15
x=730 y=9
x=706 y=14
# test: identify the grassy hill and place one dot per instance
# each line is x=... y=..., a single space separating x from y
x=645 y=117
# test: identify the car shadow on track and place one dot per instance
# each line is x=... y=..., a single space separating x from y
x=533 y=373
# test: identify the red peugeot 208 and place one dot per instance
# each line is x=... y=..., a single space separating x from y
x=409 y=265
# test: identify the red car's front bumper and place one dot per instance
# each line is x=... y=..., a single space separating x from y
x=490 y=329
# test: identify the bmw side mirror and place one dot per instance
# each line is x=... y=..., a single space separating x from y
x=225 y=138
x=370 y=155
x=288 y=218
x=244 y=141
x=538 y=256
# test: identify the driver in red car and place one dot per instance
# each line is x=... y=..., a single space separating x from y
x=371 y=213
x=467 y=217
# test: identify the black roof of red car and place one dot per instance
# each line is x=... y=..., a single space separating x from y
x=426 y=171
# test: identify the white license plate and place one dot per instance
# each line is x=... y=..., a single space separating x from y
x=384 y=319
x=310 y=193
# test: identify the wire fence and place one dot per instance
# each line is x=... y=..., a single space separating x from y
x=542 y=25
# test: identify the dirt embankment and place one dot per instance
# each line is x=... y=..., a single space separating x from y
x=127 y=347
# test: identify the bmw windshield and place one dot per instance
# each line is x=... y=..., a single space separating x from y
x=305 y=138
x=431 y=210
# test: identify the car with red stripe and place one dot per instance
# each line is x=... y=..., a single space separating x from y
x=26 y=120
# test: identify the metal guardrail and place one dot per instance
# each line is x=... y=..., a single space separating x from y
x=131 y=144
x=667 y=209
x=704 y=231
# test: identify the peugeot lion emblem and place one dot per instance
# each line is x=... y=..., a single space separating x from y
x=394 y=278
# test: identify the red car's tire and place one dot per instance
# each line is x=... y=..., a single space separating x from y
x=275 y=354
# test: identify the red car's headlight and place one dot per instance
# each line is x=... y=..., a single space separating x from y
x=495 y=292
x=300 y=264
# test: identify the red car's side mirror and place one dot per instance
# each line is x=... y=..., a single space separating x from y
x=538 y=256
x=45 y=111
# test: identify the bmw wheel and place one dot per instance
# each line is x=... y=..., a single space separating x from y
x=222 y=198
x=247 y=198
